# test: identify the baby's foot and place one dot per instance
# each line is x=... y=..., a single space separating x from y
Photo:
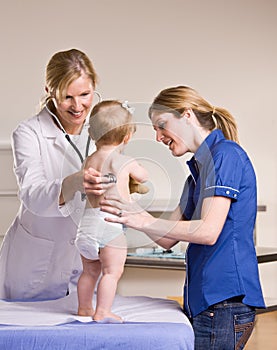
x=107 y=318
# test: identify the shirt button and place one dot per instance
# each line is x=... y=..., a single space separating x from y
x=78 y=210
x=75 y=272
x=227 y=192
x=72 y=241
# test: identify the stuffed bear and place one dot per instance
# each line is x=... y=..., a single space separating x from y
x=137 y=187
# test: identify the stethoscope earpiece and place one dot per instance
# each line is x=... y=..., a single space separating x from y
x=55 y=102
x=98 y=95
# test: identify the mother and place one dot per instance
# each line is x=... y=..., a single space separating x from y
x=216 y=214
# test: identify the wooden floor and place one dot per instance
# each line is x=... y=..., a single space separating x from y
x=264 y=336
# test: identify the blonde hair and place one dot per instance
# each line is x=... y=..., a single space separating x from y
x=62 y=69
x=110 y=122
x=178 y=99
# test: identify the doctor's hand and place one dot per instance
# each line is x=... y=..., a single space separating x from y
x=128 y=213
x=96 y=183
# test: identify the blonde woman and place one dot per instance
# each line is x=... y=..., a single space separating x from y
x=216 y=214
x=38 y=259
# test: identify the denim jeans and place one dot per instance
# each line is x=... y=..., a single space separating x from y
x=224 y=326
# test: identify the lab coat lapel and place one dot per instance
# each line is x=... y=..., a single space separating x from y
x=49 y=130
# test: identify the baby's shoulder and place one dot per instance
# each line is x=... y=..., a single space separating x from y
x=122 y=162
x=90 y=161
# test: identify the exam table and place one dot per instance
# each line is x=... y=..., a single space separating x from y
x=149 y=324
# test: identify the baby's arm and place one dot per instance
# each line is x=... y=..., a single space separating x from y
x=138 y=172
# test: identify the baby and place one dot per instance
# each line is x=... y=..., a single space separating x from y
x=102 y=245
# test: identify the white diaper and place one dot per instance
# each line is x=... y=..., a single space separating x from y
x=94 y=232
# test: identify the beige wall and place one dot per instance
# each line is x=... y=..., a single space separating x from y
x=227 y=50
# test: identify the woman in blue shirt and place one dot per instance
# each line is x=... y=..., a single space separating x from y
x=216 y=214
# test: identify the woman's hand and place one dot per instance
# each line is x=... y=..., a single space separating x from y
x=95 y=183
x=89 y=181
x=132 y=215
x=128 y=213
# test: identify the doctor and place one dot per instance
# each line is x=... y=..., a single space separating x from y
x=38 y=258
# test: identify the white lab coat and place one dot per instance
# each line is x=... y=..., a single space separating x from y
x=38 y=258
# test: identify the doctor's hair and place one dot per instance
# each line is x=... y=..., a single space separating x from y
x=177 y=100
x=110 y=122
x=62 y=69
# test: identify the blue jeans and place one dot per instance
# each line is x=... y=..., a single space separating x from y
x=224 y=326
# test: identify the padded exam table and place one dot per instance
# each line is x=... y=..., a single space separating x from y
x=149 y=324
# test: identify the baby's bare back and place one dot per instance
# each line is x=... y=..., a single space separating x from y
x=115 y=163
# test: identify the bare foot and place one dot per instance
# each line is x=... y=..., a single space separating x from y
x=85 y=312
x=107 y=318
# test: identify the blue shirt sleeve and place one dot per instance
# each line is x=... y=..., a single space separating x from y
x=225 y=175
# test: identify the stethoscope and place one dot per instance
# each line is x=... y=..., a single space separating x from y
x=76 y=149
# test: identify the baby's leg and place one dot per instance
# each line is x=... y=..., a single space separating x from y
x=86 y=286
x=112 y=260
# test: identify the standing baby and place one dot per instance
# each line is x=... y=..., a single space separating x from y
x=102 y=245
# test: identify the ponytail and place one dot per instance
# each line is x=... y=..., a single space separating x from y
x=226 y=123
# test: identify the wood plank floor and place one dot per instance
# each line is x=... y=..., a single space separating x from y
x=264 y=336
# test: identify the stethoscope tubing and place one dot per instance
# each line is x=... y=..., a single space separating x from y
x=76 y=149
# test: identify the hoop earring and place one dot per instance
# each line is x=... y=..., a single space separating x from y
x=98 y=95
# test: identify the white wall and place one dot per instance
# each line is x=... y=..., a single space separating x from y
x=227 y=50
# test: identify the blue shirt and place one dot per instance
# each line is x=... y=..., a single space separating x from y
x=228 y=268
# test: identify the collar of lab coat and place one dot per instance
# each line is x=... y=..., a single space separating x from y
x=49 y=128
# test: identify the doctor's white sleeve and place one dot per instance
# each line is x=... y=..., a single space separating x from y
x=38 y=178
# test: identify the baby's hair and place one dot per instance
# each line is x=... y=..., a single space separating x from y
x=110 y=122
